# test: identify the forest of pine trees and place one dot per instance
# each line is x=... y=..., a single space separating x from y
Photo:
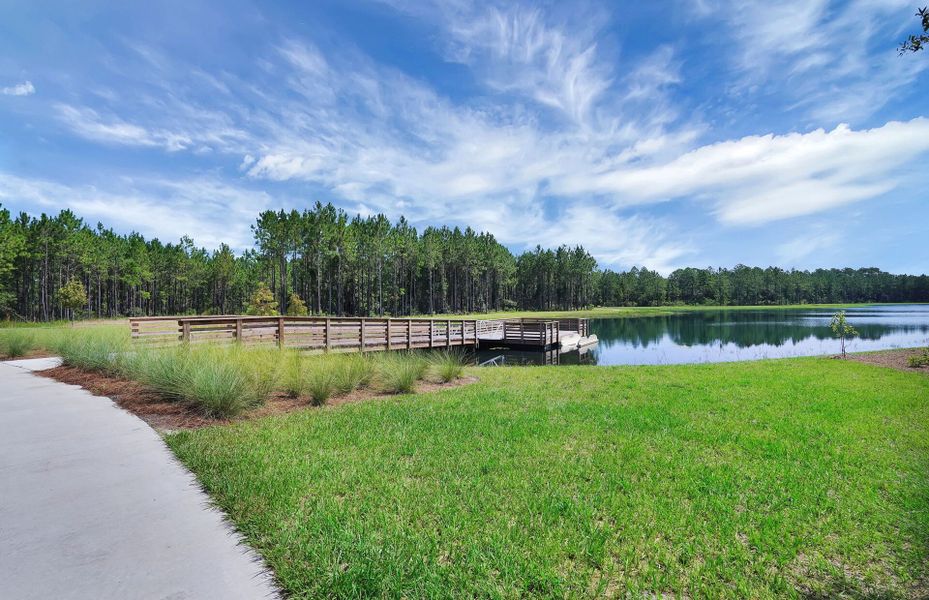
x=342 y=265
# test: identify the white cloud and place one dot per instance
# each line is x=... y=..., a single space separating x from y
x=21 y=89
x=815 y=241
x=758 y=179
x=837 y=61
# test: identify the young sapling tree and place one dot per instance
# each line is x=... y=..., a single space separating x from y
x=842 y=329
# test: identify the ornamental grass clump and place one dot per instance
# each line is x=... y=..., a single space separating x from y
x=15 y=343
x=294 y=378
x=100 y=350
x=320 y=386
x=351 y=372
x=398 y=372
x=447 y=365
x=220 y=381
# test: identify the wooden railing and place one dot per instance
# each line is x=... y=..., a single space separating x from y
x=353 y=333
x=580 y=325
x=345 y=333
x=531 y=332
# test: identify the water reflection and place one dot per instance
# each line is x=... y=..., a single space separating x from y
x=727 y=335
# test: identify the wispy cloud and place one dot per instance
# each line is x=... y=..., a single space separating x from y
x=21 y=89
x=758 y=179
x=838 y=59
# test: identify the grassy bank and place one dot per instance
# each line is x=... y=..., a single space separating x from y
x=806 y=477
x=607 y=312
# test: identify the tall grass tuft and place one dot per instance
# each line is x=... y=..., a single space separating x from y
x=294 y=378
x=398 y=372
x=100 y=350
x=352 y=372
x=320 y=386
x=15 y=343
x=220 y=381
x=447 y=365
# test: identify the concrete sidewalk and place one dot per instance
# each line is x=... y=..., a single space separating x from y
x=94 y=505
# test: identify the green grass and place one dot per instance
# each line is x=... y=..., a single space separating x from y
x=15 y=343
x=805 y=477
x=606 y=312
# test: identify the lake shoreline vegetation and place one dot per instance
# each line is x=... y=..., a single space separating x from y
x=322 y=261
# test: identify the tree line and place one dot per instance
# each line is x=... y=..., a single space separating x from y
x=324 y=261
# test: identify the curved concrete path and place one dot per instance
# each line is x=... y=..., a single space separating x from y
x=94 y=505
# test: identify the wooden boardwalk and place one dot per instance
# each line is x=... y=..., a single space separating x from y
x=357 y=333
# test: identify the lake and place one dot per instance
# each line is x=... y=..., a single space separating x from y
x=727 y=335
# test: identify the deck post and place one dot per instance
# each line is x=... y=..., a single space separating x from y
x=362 y=334
x=327 y=335
x=280 y=332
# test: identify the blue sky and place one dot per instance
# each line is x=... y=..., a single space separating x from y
x=659 y=134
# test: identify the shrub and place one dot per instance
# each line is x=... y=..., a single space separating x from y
x=397 y=373
x=448 y=365
x=16 y=342
x=296 y=307
x=262 y=302
x=919 y=360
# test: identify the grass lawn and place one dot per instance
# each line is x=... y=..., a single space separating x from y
x=801 y=477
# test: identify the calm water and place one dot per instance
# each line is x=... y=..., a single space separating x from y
x=721 y=335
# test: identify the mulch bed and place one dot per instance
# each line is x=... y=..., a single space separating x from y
x=165 y=415
x=893 y=359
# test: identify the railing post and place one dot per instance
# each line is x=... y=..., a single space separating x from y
x=362 y=328
x=409 y=334
x=238 y=331
x=280 y=332
x=448 y=334
x=431 y=332
x=328 y=334
x=388 y=334
x=185 y=331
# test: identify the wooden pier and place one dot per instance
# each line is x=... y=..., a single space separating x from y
x=359 y=333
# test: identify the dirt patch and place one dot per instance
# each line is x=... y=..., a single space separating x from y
x=893 y=359
x=165 y=415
